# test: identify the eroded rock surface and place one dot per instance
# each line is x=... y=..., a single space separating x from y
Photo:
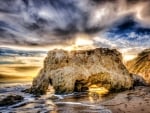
x=77 y=70
x=141 y=65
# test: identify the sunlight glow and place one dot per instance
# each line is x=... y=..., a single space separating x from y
x=98 y=90
x=128 y=57
x=81 y=42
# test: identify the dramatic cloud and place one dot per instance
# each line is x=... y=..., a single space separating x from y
x=109 y=23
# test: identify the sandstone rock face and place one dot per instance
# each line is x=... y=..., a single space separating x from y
x=77 y=70
x=141 y=65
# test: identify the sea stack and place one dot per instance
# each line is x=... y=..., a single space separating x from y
x=69 y=71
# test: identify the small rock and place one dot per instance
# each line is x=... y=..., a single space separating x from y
x=53 y=97
x=11 y=99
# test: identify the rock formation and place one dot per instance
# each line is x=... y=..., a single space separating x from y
x=138 y=80
x=69 y=71
x=141 y=65
x=11 y=99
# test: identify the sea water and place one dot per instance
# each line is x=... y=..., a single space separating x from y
x=82 y=102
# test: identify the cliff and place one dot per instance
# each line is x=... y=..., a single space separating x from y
x=141 y=65
x=78 y=70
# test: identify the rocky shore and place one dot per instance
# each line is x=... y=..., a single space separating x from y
x=136 y=100
x=70 y=71
x=86 y=81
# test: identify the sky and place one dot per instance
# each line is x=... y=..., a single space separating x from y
x=49 y=24
x=29 y=28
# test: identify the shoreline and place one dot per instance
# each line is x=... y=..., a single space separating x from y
x=131 y=101
x=136 y=100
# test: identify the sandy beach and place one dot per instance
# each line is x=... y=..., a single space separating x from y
x=131 y=101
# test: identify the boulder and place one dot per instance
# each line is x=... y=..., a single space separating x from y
x=69 y=71
x=11 y=99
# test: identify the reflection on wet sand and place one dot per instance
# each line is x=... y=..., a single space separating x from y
x=96 y=93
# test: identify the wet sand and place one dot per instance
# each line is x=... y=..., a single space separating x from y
x=132 y=101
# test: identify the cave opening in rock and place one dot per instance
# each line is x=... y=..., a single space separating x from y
x=50 y=82
x=80 y=85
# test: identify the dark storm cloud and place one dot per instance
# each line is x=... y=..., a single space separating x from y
x=49 y=22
